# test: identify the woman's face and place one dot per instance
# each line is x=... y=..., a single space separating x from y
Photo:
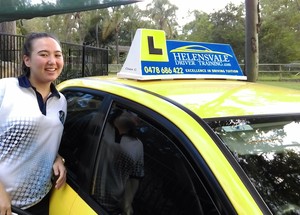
x=46 y=60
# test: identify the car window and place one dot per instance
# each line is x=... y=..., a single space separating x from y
x=81 y=134
x=141 y=169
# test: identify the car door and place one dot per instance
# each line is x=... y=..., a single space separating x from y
x=78 y=147
x=160 y=173
x=169 y=179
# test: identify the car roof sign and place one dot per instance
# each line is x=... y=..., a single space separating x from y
x=151 y=56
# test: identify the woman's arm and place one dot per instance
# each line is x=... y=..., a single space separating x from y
x=5 y=201
x=60 y=172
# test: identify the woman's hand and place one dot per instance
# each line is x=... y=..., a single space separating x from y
x=5 y=201
x=59 y=171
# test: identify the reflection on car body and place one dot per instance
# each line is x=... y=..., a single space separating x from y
x=121 y=167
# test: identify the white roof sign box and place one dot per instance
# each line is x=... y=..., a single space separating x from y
x=151 y=56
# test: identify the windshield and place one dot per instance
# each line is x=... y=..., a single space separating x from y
x=268 y=150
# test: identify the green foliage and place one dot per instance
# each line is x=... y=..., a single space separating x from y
x=229 y=27
x=200 y=29
x=280 y=31
x=163 y=15
x=279 y=35
x=134 y=18
x=223 y=26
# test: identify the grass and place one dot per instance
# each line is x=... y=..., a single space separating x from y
x=287 y=84
x=291 y=81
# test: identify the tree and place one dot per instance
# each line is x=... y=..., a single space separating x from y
x=280 y=31
x=200 y=29
x=278 y=37
x=102 y=27
x=65 y=26
x=134 y=18
x=223 y=26
x=163 y=15
x=229 y=27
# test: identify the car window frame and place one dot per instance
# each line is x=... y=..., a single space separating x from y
x=71 y=181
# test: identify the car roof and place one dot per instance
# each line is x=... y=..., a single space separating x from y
x=209 y=98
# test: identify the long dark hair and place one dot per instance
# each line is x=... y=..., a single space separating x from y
x=27 y=47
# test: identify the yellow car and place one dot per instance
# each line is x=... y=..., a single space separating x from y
x=149 y=145
x=210 y=146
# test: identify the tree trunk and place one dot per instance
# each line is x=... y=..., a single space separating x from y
x=252 y=27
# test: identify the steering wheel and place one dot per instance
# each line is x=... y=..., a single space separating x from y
x=19 y=211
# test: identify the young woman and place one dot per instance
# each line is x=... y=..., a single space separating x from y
x=32 y=113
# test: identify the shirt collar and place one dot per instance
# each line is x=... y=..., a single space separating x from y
x=24 y=82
